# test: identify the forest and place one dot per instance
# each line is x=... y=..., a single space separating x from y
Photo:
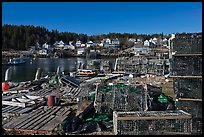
x=21 y=37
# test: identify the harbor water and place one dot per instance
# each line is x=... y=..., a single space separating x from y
x=27 y=71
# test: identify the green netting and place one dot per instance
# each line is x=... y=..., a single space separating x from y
x=162 y=98
x=99 y=118
x=92 y=95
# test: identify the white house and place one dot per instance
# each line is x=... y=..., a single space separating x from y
x=108 y=41
x=89 y=44
x=165 y=42
x=80 y=51
x=139 y=50
x=132 y=39
x=46 y=46
x=60 y=44
x=154 y=41
x=115 y=42
x=43 y=52
x=101 y=44
x=146 y=43
x=78 y=43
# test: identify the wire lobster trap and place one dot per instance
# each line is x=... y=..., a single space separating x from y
x=187 y=66
x=188 y=88
x=120 y=97
x=191 y=43
x=152 y=123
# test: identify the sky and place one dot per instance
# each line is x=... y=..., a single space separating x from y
x=93 y=18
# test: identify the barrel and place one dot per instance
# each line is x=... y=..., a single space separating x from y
x=51 y=100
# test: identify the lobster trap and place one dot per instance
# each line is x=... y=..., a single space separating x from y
x=191 y=43
x=188 y=87
x=152 y=123
x=120 y=97
x=186 y=65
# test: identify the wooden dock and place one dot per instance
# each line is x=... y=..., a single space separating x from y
x=44 y=120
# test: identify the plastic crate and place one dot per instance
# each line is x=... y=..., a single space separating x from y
x=152 y=123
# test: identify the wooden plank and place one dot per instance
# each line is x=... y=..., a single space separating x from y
x=25 y=110
x=11 y=103
x=186 y=76
x=51 y=125
x=7 y=98
x=5 y=109
x=15 y=122
x=189 y=99
x=153 y=118
x=14 y=109
x=43 y=122
x=187 y=55
x=23 y=100
x=28 y=121
x=31 y=97
x=66 y=113
x=40 y=119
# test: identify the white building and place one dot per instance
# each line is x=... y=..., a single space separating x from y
x=43 y=52
x=78 y=43
x=165 y=42
x=89 y=44
x=141 y=50
x=46 y=46
x=146 y=43
x=80 y=51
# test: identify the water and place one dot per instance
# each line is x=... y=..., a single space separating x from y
x=27 y=71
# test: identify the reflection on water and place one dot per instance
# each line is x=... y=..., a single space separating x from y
x=26 y=72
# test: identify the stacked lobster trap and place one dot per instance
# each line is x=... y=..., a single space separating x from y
x=120 y=97
x=152 y=123
x=187 y=76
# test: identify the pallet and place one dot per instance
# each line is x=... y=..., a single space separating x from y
x=44 y=120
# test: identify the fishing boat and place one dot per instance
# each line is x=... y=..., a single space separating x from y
x=16 y=61
x=86 y=72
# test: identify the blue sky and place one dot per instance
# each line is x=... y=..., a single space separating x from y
x=94 y=18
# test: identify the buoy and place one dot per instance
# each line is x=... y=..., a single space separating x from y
x=5 y=86
x=51 y=100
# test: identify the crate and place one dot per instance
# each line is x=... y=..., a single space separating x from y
x=152 y=123
x=188 y=87
x=187 y=65
x=192 y=106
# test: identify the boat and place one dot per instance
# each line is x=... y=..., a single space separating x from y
x=86 y=72
x=16 y=61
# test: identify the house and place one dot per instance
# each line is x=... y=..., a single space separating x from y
x=78 y=43
x=165 y=42
x=101 y=44
x=154 y=41
x=132 y=39
x=43 y=52
x=115 y=43
x=60 y=45
x=89 y=44
x=108 y=41
x=80 y=51
x=146 y=43
x=139 y=50
x=46 y=46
